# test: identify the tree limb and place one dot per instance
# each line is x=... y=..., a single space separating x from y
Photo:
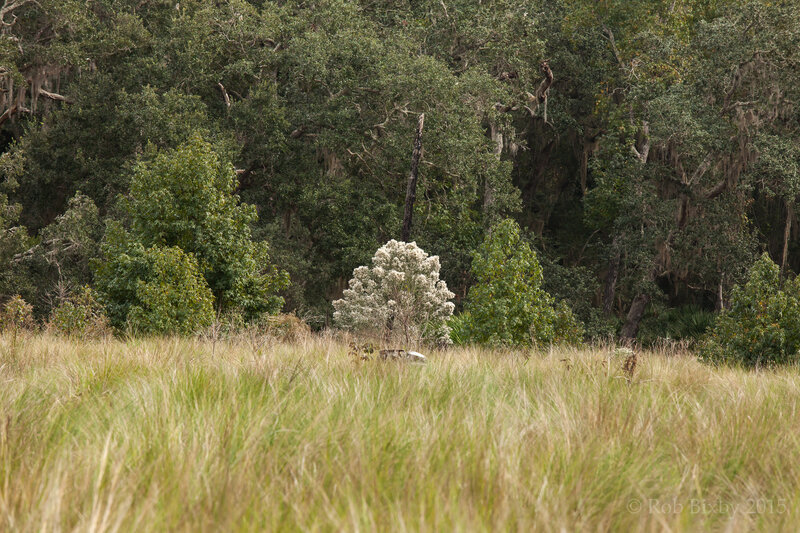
x=10 y=112
x=718 y=189
x=701 y=169
x=541 y=92
x=613 y=42
x=544 y=87
x=225 y=95
x=644 y=153
x=8 y=9
x=7 y=114
x=55 y=96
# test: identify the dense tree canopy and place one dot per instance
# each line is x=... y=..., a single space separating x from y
x=648 y=149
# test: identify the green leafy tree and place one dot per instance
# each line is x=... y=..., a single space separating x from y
x=59 y=262
x=762 y=325
x=185 y=198
x=507 y=305
x=14 y=239
x=152 y=290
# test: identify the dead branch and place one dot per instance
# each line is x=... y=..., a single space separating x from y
x=643 y=154
x=55 y=96
x=225 y=95
x=411 y=191
x=610 y=37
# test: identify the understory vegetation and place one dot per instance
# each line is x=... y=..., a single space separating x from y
x=181 y=434
x=195 y=163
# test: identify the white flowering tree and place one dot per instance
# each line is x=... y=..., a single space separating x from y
x=401 y=296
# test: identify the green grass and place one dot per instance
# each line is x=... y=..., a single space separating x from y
x=184 y=435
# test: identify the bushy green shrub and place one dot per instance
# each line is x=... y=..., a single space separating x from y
x=174 y=298
x=507 y=305
x=185 y=198
x=459 y=328
x=762 y=325
x=155 y=290
x=687 y=323
x=81 y=315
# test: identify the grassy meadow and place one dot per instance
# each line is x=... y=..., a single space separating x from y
x=189 y=435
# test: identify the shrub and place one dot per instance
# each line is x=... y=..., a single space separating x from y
x=401 y=297
x=507 y=305
x=17 y=316
x=59 y=263
x=688 y=323
x=287 y=327
x=762 y=325
x=567 y=329
x=81 y=315
x=155 y=290
x=459 y=328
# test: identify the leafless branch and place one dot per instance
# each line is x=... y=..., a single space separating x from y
x=55 y=96
x=225 y=95
x=610 y=36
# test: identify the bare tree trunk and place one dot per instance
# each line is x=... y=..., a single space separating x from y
x=636 y=311
x=787 y=233
x=411 y=191
x=643 y=152
x=590 y=144
x=610 y=285
x=543 y=90
x=488 y=190
x=631 y=327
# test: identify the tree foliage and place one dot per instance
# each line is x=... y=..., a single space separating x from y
x=762 y=326
x=648 y=147
x=507 y=304
x=152 y=290
x=185 y=199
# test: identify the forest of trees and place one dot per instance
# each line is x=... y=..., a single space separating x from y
x=648 y=149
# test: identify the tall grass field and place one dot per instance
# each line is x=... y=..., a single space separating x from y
x=189 y=435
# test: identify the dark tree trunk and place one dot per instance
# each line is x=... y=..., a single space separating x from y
x=610 y=285
x=787 y=233
x=411 y=191
x=634 y=318
x=639 y=304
